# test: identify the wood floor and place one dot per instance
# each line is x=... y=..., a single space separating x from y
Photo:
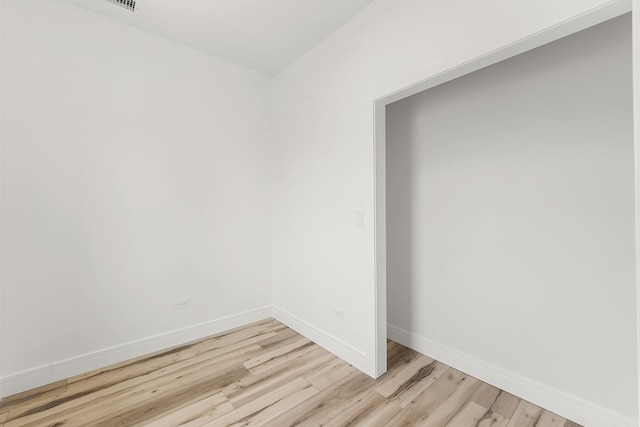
x=266 y=374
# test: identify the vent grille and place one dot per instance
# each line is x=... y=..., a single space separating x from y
x=127 y=4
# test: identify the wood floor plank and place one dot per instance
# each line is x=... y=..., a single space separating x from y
x=280 y=355
x=141 y=373
x=194 y=413
x=486 y=396
x=327 y=404
x=506 y=404
x=398 y=357
x=281 y=337
x=134 y=406
x=37 y=401
x=448 y=409
x=262 y=417
x=422 y=380
x=279 y=326
x=549 y=419
x=282 y=406
x=470 y=415
x=268 y=406
x=21 y=400
x=40 y=393
x=265 y=374
x=163 y=400
x=315 y=411
x=473 y=414
x=438 y=403
x=371 y=409
x=254 y=385
x=526 y=415
x=390 y=384
x=91 y=391
x=330 y=374
x=117 y=394
x=144 y=373
x=87 y=394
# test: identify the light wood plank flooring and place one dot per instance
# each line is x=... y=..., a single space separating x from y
x=267 y=374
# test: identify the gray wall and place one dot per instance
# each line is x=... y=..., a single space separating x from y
x=511 y=216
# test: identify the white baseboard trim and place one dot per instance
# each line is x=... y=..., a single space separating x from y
x=56 y=371
x=556 y=401
x=344 y=351
x=564 y=404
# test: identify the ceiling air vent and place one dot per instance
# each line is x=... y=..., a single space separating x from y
x=127 y=4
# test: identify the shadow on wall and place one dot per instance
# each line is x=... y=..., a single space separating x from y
x=510 y=215
x=400 y=218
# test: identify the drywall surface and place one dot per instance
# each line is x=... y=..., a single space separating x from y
x=323 y=144
x=135 y=172
x=636 y=109
x=510 y=219
x=1 y=105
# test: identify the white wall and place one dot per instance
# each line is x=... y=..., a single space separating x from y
x=135 y=171
x=323 y=149
x=1 y=136
x=636 y=110
x=510 y=219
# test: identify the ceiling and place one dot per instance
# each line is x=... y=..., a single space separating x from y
x=264 y=35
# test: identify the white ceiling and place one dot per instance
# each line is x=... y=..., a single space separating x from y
x=264 y=35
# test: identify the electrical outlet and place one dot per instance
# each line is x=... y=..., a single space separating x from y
x=181 y=303
x=359 y=217
x=339 y=313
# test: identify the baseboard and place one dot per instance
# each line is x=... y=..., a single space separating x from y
x=556 y=401
x=344 y=351
x=566 y=405
x=37 y=377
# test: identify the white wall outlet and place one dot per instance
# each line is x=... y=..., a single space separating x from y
x=359 y=217
x=181 y=303
x=339 y=313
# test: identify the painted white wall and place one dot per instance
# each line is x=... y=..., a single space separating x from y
x=1 y=135
x=135 y=171
x=636 y=109
x=323 y=146
x=510 y=219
